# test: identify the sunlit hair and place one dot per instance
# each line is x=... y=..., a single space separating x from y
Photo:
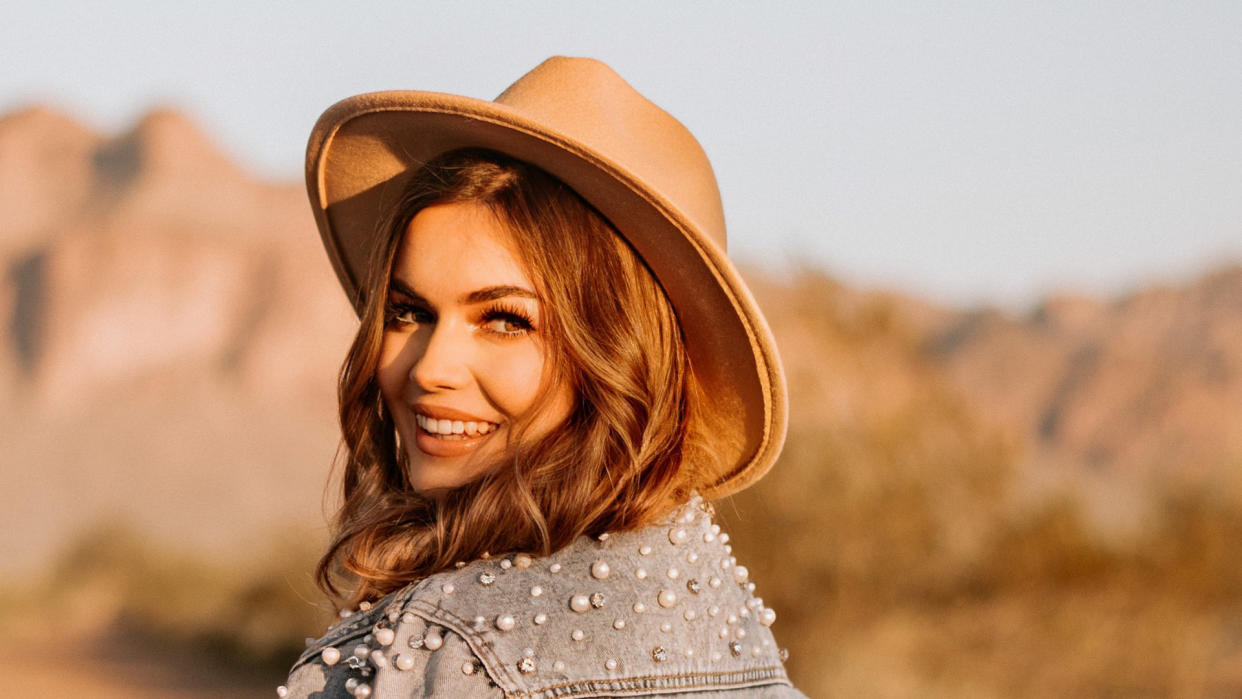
x=631 y=449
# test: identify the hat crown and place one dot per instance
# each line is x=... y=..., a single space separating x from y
x=589 y=102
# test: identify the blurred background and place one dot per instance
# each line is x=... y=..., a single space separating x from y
x=999 y=245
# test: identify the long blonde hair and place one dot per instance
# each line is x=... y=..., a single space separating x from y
x=631 y=449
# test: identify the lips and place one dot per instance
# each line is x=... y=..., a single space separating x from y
x=449 y=429
x=445 y=431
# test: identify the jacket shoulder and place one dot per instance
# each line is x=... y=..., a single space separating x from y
x=384 y=652
x=664 y=610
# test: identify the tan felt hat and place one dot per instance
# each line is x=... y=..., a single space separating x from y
x=580 y=121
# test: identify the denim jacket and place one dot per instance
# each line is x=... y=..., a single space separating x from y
x=664 y=610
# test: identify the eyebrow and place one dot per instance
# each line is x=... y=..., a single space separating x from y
x=483 y=295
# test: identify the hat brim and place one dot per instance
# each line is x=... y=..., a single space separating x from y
x=364 y=150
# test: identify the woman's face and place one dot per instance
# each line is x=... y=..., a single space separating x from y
x=463 y=354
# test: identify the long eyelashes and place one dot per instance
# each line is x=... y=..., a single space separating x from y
x=502 y=320
x=397 y=313
x=506 y=321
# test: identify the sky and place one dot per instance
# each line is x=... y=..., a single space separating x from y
x=968 y=152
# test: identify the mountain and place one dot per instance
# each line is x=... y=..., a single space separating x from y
x=173 y=329
x=171 y=337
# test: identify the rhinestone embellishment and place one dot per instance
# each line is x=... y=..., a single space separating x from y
x=487 y=578
x=658 y=654
x=597 y=600
x=526 y=666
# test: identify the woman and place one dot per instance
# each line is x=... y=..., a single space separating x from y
x=556 y=365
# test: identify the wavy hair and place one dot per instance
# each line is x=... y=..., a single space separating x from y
x=631 y=449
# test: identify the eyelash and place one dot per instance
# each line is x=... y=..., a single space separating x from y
x=511 y=314
x=393 y=310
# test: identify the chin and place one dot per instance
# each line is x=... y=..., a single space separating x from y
x=433 y=480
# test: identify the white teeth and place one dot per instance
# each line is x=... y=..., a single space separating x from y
x=453 y=428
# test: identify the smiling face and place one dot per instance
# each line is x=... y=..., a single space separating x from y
x=463 y=356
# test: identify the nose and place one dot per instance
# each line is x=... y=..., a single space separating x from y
x=443 y=363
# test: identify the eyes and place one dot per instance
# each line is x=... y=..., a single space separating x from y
x=499 y=319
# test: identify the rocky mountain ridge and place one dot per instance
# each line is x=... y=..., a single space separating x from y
x=172 y=331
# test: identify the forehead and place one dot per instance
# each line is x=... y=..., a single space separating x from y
x=458 y=248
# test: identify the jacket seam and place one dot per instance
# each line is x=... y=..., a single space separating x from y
x=647 y=683
x=482 y=647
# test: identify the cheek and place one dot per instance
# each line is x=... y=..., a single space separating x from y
x=512 y=379
x=391 y=374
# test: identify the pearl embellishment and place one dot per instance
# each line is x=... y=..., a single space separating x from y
x=610 y=664
x=505 y=622
x=678 y=536
x=433 y=641
x=404 y=661
x=536 y=591
x=577 y=635
x=540 y=618
x=580 y=603
x=600 y=570
x=385 y=637
x=667 y=598
x=522 y=561
x=740 y=574
x=330 y=656
x=767 y=617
